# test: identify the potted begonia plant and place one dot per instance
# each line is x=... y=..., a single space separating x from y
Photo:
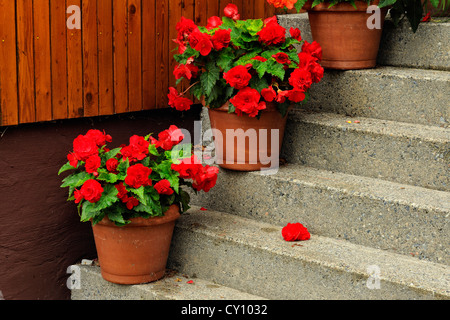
x=132 y=195
x=248 y=73
x=349 y=31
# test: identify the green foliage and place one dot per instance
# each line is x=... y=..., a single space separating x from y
x=146 y=201
x=244 y=46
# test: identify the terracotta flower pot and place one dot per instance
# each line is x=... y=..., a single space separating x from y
x=347 y=43
x=136 y=253
x=251 y=154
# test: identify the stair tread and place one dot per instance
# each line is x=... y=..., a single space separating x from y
x=174 y=286
x=364 y=186
x=376 y=126
x=327 y=252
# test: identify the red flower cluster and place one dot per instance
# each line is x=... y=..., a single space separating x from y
x=238 y=77
x=86 y=146
x=247 y=101
x=204 y=178
x=177 y=101
x=129 y=201
x=91 y=191
x=169 y=138
x=138 y=176
x=201 y=42
x=295 y=232
x=249 y=95
x=137 y=149
x=283 y=3
x=231 y=11
x=272 y=33
x=163 y=187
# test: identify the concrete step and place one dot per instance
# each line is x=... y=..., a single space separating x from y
x=173 y=286
x=400 y=152
x=252 y=256
x=388 y=93
x=389 y=216
x=425 y=49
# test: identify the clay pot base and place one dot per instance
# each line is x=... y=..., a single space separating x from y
x=138 y=279
x=348 y=65
x=136 y=253
x=270 y=119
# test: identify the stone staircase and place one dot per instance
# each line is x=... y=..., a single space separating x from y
x=375 y=194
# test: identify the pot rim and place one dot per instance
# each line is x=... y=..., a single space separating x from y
x=170 y=215
x=361 y=6
x=270 y=107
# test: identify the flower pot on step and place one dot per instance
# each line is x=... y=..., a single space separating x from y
x=136 y=253
x=245 y=143
x=343 y=33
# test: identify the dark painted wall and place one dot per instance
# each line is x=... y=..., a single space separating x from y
x=40 y=232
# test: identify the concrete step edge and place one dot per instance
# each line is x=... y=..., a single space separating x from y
x=383 y=149
x=375 y=126
x=174 y=286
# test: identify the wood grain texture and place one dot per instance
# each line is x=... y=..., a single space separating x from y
x=25 y=49
x=9 y=103
x=105 y=57
x=58 y=59
x=121 y=60
x=75 y=98
x=42 y=60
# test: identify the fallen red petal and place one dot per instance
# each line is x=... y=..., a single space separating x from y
x=190 y=282
x=203 y=209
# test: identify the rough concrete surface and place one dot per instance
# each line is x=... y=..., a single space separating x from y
x=174 y=286
x=252 y=256
x=399 y=152
x=398 y=218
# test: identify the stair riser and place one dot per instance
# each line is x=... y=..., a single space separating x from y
x=388 y=94
x=373 y=221
x=408 y=160
x=425 y=49
x=273 y=276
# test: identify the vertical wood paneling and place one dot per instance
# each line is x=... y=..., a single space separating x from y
x=120 y=61
x=105 y=57
x=9 y=104
x=42 y=60
x=201 y=12
x=149 y=54
x=74 y=69
x=135 y=55
x=90 y=58
x=25 y=48
x=213 y=9
x=162 y=53
x=120 y=10
x=58 y=59
x=176 y=8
